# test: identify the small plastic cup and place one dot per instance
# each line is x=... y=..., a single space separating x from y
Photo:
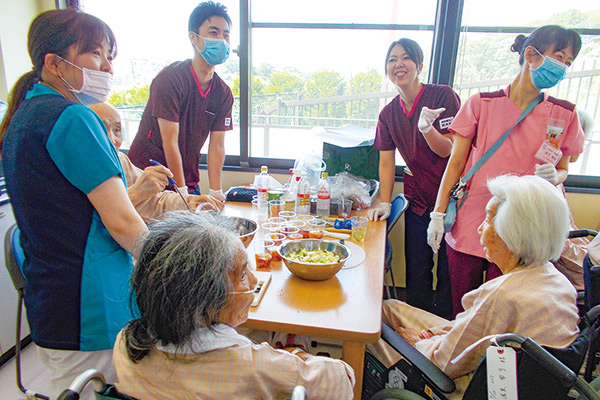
x=278 y=220
x=290 y=203
x=345 y=209
x=359 y=228
x=275 y=207
x=289 y=230
x=304 y=229
x=295 y=222
x=316 y=228
x=262 y=254
x=278 y=239
x=295 y=236
x=259 y=210
x=270 y=227
x=288 y=215
x=205 y=208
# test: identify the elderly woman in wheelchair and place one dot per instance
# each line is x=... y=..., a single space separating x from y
x=193 y=286
x=526 y=225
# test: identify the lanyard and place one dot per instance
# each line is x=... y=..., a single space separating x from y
x=501 y=139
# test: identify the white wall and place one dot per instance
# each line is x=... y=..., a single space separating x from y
x=15 y=18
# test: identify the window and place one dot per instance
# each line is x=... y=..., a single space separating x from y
x=485 y=62
x=318 y=70
x=152 y=34
x=313 y=71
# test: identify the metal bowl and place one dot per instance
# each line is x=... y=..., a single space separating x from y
x=246 y=229
x=314 y=271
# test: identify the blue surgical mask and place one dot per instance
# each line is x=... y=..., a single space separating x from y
x=216 y=51
x=549 y=73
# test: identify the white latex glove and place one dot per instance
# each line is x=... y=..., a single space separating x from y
x=427 y=117
x=435 y=230
x=380 y=212
x=217 y=194
x=548 y=172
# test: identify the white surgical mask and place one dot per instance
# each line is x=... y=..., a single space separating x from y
x=95 y=88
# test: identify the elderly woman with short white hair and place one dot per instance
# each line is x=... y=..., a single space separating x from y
x=526 y=224
x=193 y=286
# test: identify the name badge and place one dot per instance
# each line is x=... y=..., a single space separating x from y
x=445 y=123
x=548 y=153
x=555 y=127
x=501 y=365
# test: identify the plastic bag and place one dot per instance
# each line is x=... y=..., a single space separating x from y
x=272 y=183
x=313 y=164
x=361 y=191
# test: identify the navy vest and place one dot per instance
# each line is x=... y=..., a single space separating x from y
x=54 y=218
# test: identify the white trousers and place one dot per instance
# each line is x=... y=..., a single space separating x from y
x=65 y=365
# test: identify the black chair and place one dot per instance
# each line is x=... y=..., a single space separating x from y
x=543 y=373
x=399 y=206
x=105 y=391
x=591 y=273
x=13 y=258
x=591 y=297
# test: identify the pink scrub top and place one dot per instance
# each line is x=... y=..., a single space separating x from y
x=484 y=118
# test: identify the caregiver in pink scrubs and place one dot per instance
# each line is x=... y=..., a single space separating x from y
x=544 y=57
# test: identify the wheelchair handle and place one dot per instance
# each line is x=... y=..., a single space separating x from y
x=93 y=375
x=566 y=377
x=578 y=233
x=299 y=393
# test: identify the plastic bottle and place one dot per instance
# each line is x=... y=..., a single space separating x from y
x=323 y=196
x=303 y=196
x=263 y=185
x=289 y=194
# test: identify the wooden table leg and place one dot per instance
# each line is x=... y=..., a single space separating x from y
x=354 y=354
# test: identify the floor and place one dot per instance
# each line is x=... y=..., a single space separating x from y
x=35 y=376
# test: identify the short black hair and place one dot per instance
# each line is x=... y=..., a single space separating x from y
x=204 y=11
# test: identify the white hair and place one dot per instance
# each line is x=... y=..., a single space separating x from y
x=586 y=121
x=532 y=217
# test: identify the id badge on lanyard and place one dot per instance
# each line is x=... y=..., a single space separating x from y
x=549 y=151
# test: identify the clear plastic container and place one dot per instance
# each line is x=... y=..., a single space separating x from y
x=323 y=196
x=303 y=196
x=263 y=185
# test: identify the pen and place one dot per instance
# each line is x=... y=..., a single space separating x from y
x=174 y=184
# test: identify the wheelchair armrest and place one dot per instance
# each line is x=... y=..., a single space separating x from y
x=548 y=361
x=431 y=372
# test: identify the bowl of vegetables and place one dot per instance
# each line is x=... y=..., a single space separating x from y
x=314 y=259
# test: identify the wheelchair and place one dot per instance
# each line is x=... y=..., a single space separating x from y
x=106 y=391
x=542 y=373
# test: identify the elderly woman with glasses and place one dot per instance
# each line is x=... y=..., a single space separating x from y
x=193 y=286
x=526 y=224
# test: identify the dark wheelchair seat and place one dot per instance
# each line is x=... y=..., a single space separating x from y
x=542 y=373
